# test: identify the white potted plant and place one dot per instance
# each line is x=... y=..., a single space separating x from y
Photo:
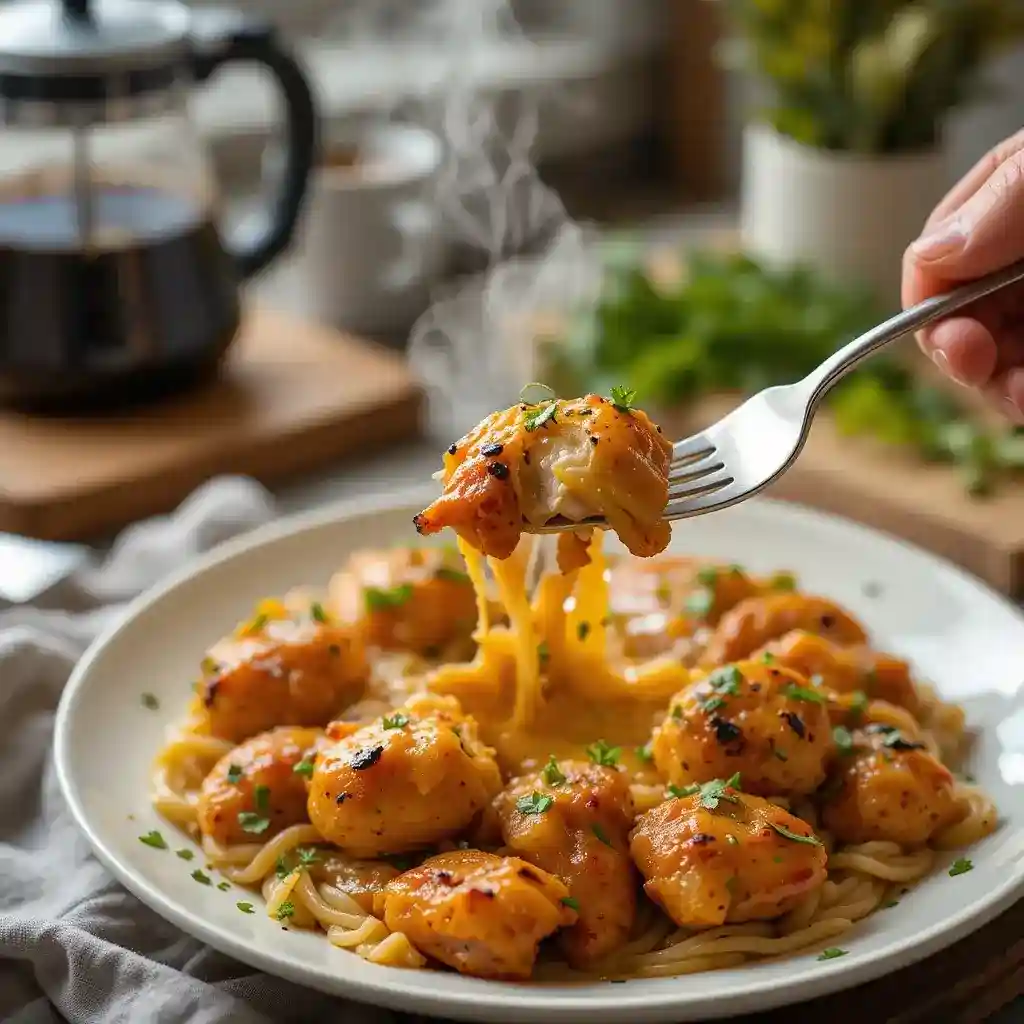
x=844 y=160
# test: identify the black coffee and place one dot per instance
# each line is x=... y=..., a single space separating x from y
x=151 y=303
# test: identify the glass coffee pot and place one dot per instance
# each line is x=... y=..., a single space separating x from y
x=115 y=282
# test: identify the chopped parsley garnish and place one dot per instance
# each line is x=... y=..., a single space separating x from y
x=794 y=692
x=253 y=822
x=234 y=773
x=960 y=867
x=843 y=739
x=796 y=837
x=150 y=702
x=257 y=623
x=623 y=398
x=699 y=603
x=543 y=652
x=601 y=753
x=304 y=767
x=726 y=680
x=767 y=658
x=201 y=877
x=780 y=755
x=708 y=576
x=261 y=797
x=395 y=721
x=317 y=613
x=582 y=631
x=379 y=599
x=451 y=575
x=858 y=704
x=535 y=803
x=308 y=855
x=185 y=854
x=154 y=839
x=713 y=703
x=601 y=835
x=710 y=792
x=644 y=753
x=281 y=869
x=677 y=711
x=244 y=907
x=783 y=581
x=285 y=910
x=536 y=418
x=889 y=904
x=553 y=775
x=223 y=886
x=895 y=740
x=831 y=953
x=571 y=902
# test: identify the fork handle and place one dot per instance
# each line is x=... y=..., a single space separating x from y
x=840 y=363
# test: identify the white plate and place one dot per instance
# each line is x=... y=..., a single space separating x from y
x=959 y=634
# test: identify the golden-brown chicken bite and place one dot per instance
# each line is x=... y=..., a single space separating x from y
x=886 y=786
x=758 y=719
x=573 y=819
x=280 y=670
x=259 y=788
x=718 y=857
x=846 y=669
x=565 y=460
x=482 y=914
x=408 y=599
x=403 y=782
x=755 y=621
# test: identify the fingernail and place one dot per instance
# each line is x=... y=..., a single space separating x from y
x=946 y=239
x=941 y=360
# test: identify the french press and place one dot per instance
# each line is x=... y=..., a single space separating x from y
x=116 y=284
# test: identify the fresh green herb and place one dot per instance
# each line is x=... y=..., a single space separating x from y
x=831 y=953
x=571 y=902
x=603 y=754
x=726 y=680
x=285 y=910
x=154 y=839
x=543 y=653
x=261 y=798
x=304 y=767
x=185 y=854
x=201 y=877
x=253 y=822
x=209 y=666
x=843 y=739
x=889 y=904
x=308 y=855
x=623 y=398
x=644 y=753
x=234 y=773
x=535 y=803
x=780 y=755
x=317 y=613
x=785 y=581
x=707 y=576
x=582 y=631
x=403 y=861
x=553 y=775
x=549 y=393
x=378 y=599
x=858 y=704
x=711 y=792
x=395 y=721
x=700 y=602
x=257 y=624
x=767 y=657
x=451 y=575
x=536 y=418
x=795 y=836
x=794 y=692
x=601 y=835
x=677 y=711
x=281 y=869
x=245 y=907
x=713 y=703
x=960 y=867
x=223 y=886
x=150 y=702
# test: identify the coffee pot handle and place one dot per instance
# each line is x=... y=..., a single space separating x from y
x=219 y=38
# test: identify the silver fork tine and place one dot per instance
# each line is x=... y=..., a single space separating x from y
x=691 y=447
x=693 y=470
x=707 y=484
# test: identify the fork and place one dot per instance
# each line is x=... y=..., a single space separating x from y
x=758 y=441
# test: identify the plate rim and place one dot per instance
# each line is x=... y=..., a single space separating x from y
x=502 y=1001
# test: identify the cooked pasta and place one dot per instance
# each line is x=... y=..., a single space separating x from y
x=666 y=765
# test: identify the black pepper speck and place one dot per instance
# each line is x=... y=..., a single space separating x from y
x=498 y=470
x=491 y=449
x=452 y=449
x=795 y=722
x=366 y=758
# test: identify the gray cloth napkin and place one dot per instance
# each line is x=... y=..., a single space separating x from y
x=74 y=945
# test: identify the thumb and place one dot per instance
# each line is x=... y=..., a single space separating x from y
x=984 y=235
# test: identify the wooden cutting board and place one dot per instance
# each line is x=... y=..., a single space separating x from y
x=292 y=396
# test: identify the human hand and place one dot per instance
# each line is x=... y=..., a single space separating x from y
x=977 y=229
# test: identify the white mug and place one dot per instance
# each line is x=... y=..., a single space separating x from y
x=371 y=245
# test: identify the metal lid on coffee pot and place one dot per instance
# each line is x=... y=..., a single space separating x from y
x=89 y=50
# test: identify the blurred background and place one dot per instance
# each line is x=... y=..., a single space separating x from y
x=692 y=197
